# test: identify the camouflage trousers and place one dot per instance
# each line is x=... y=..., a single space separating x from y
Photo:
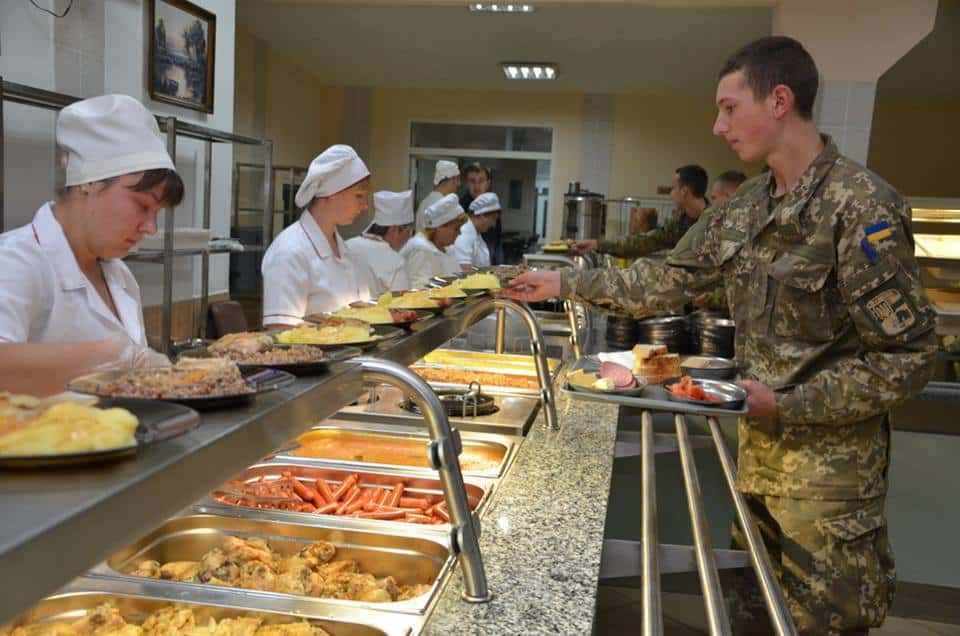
x=832 y=558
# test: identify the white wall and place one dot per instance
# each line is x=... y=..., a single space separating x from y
x=100 y=47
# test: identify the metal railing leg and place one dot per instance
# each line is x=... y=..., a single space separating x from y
x=650 y=558
x=772 y=593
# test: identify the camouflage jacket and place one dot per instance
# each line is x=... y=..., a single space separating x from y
x=830 y=313
x=661 y=238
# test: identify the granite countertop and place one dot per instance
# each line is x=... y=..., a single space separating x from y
x=542 y=537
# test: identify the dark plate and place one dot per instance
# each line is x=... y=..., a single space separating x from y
x=331 y=355
x=261 y=379
x=158 y=421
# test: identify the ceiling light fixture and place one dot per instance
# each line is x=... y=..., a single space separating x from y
x=529 y=70
x=486 y=7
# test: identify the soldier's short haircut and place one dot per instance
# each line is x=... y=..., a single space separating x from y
x=771 y=61
x=733 y=177
x=695 y=178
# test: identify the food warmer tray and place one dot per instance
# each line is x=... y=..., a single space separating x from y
x=408 y=555
x=502 y=444
x=479 y=491
x=653 y=398
x=136 y=599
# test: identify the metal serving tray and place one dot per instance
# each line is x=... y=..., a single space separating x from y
x=137 y=600
x=653 y=398
x=410 y=557
x=502 y=445
x=504 y=363
x=416 y=485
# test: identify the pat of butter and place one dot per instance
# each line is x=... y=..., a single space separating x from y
x=603 y=384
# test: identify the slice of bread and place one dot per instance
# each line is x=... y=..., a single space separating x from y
x=644 y=352
x=660 y=368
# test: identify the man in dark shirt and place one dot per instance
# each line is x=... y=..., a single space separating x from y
x=479 y=181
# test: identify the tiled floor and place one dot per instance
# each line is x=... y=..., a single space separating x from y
x=619 y=612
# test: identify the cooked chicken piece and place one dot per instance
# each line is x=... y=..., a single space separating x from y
x=126 y=630
x=292 y=629
x=334 y=586
x=147 y=569
x=169 y=621
x=295 y=577
x=243 y=550
x=42 y=629
x=241 y=345
x=227 y=627
x=183 y=571
x=104 y=617
x=337 y=567
x=216 y=568
x=407 y=592
x=317 y=553
x=255 y=575
x=369 y=589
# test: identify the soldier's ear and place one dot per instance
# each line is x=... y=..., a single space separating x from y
x=782 y=100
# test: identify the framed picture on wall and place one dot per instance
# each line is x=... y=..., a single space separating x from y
x=181 y=62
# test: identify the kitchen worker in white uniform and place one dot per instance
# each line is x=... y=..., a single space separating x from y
x=377 y=249
x=470 y=250
x=425 y=254
x=68 y=303
x=446 y=180
x=308 y=268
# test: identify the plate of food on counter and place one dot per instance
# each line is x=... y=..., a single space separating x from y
x=611 y=378
x=712 y=393
x=256 y=349
x=375 y=314
x=200 y=383
x=335 y=331
x=558 y=247
x=418 y=299
x=69 y=430
x=478 y=283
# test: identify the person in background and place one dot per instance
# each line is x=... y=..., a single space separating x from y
x=446 y=180
x=377 y=249
x=68 y=303
x=834 y=330
x=309 y=268
x=724 y=186
x=480 y=181
x=688 y=193
x=470 y=250
x=425 y=254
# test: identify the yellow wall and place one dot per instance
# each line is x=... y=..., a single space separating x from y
x=653 y=136
x=395 y=109
x=914 y=146
x=301 y=115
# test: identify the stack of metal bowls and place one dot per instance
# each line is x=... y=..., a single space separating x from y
x=666 y=330
x=695 y=323
x=717 y=337
x=621 y=332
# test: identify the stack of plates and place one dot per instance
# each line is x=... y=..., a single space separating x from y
x=621 y=332
x=717 y=337
x=666 y=330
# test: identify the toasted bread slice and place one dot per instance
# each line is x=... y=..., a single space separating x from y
x=644 y=352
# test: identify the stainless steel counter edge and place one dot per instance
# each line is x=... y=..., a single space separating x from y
x=58 y=523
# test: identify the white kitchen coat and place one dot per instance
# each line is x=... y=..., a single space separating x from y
x=470 y=248
x=428 y=200
x=425 y=260
x=44 y=297
x=385 y=268
x=301 y=275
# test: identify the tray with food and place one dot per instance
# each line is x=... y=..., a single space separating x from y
x=558 y=247
x=391 y=496
x=280 y=556
x=379 y=315
x=251 y=349
x=71 y=430
x=483 y=455
x=99 y=606
x=502 y=373
x=665 y=389
x=335 y=331
x=200 y=383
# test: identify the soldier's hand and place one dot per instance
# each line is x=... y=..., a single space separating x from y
x=533 y=286
x=761 y=400
x=700 y=300
x=585 y=247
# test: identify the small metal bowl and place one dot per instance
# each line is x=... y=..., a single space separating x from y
x=713 y=368
x=732 y=396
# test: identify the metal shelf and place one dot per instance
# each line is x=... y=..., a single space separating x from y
x=156 y=256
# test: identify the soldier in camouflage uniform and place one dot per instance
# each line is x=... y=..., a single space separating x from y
x=688 y=192
x=833 y=330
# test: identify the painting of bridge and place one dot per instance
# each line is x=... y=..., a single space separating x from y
x=181 y=54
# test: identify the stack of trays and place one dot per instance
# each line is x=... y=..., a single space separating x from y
x=666 y=330
x=621 y=332
x=716 y=337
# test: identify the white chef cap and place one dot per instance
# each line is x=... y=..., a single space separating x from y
x=335 y=169
x=443 y=211
x=109 y=136
x=485 y=203
x=393 y=208
x=445 y=170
